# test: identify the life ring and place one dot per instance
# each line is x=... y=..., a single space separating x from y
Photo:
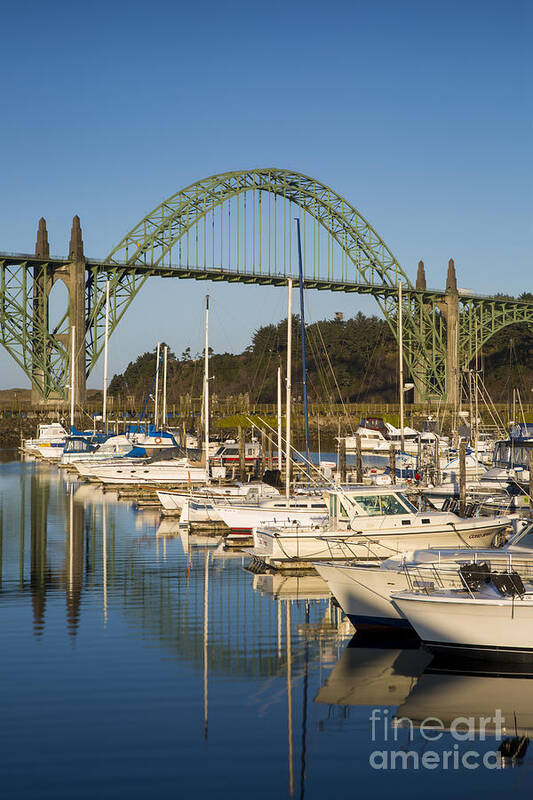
x=158 y=440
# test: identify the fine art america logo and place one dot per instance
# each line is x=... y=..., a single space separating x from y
x=461 y=755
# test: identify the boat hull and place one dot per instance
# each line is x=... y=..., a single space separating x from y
x=364 y=594
x=472 y=627
x=245 y=519
x=282 y=545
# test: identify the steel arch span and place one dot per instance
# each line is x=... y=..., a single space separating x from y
x=169 y=235
x=238 y=227
x=154 y=237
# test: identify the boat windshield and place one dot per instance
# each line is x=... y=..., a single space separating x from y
x=511 y=454
x=384 y=504
x=78 y=446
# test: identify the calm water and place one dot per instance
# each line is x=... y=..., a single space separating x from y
x=136 y=664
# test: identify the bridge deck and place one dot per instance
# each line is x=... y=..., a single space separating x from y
x=231 y=276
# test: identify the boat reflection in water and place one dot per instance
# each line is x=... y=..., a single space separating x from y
x=369 y=674
x=483 y=702
x=160 y=656
x=415 y=700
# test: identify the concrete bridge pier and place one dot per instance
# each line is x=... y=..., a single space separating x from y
x=420 y=369
x=73 y=276
x=76 y=290
x=40 y=315
x=450 y=309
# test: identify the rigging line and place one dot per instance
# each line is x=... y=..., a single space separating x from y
x=370 y=362
x=299 y=465
x=521 y=409
x=258 y=366
x=266 y=371
x=486 y=398
x=323 y=376
x=333 y=374
x=316 y=352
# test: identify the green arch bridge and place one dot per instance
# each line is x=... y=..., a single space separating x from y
x=237 y=227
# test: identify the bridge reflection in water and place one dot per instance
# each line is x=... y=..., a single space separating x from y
x=121 y=637
x=83 y=557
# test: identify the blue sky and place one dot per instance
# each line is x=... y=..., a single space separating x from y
x=418 y=113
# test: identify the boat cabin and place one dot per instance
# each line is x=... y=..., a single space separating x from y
x=78 y=444
x=371 y=501
x=512 y=453
x=228 y=453
x=374 y=424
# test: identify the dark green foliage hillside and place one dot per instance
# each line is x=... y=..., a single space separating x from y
x=355 y=359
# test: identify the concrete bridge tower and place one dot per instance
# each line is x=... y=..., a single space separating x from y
x=73 y=276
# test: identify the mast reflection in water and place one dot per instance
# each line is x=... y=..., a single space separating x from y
x=138 y=662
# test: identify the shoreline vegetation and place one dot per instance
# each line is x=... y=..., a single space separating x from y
x=352 y=372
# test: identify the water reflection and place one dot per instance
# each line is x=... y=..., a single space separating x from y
x=369 y=674
x=435 y=702
x=134 y=645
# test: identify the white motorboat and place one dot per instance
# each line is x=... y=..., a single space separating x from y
x=49 y=443
x=371 y=440
x=372 y=523
x=363 y=591
x=80 y=449
x=510 y=465
x=136 y=442
x=173 y=471
x=227 y=454
x=428 y=441
x=173 y=500
x=493 y=622
x=304 y=509
x=382 y=436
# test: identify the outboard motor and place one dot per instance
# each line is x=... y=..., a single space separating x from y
x=474 y=575
x=508 y=584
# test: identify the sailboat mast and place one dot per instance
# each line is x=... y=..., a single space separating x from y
x=165 y=361
x=206 y=386
x=106 y=341
x=289 y=389
x=156 y=401
x=72 y=371
x=304 y=360
x=280 y=457
x=400 y=360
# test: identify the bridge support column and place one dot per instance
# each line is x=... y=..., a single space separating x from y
x=419 y=376
x=76 y=288
x=40 y=317
x=451 y=313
